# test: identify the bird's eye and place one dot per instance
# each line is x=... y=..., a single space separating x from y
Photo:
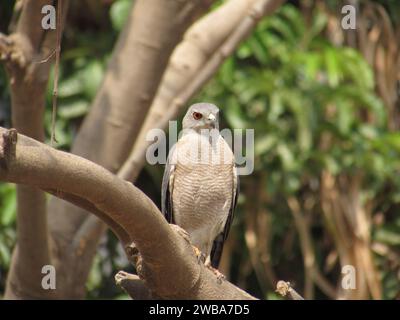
x=197 y=115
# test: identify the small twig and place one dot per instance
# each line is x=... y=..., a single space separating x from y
x=7 y=147
x=4 y=46
x=11 y=50
x=47 y=58
x=284 y=288
x=133 y=286
x=56 y=73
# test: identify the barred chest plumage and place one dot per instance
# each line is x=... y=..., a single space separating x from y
x=204 y=181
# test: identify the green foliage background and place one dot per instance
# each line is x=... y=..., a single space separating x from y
x=280 y=82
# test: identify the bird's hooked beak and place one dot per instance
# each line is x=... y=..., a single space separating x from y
x=211 y=120
x=211 y=117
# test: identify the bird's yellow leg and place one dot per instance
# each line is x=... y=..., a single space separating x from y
x=201 y=258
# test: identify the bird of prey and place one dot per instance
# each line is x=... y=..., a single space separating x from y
x=200 y=183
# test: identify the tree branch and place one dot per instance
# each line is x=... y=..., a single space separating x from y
x=133 y=285
x=28 y=81
x=201 y=41
x=313 y=274
x=168 y=263
x=285 y=289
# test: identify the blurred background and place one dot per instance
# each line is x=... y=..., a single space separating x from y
x=324 y=103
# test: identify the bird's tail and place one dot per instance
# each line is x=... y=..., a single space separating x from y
x=216 y=251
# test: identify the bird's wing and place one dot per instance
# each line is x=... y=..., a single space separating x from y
x=216 y=251
x=167 y=188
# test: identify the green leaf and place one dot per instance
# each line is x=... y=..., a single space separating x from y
x=332 y=67
x=227 y=72
x=264 y=144
x=281 y=26
x=320 y=20
x=392 y=139
x=92 y=77
x=8 y=207
x=331 y=164
x=294 y=18
x=303 y=120
x=119 y=13
x=368 y=131
x=292 y=183
x=74 y=109
x=276 y=107
x=345 y=116
x=5 y=254
x=312 y=65
x=234 y=115
x=273 y=296
x=258 y=49
x=94 y=279
x=388 y=236
x=355 y=67
x=71 y=86
x=286 y=156
x=244 y=51
x=122 y=297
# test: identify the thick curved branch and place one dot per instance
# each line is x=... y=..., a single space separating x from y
x=189 y=68
x=168 y=264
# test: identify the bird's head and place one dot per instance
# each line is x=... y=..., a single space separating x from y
x=201 y=116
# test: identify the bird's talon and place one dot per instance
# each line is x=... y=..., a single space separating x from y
x=219 y=275
x=220 y=278
x=201 y=258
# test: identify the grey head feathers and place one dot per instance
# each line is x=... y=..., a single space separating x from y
x=201 y=116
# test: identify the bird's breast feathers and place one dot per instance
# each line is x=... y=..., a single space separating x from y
x=203 y=181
